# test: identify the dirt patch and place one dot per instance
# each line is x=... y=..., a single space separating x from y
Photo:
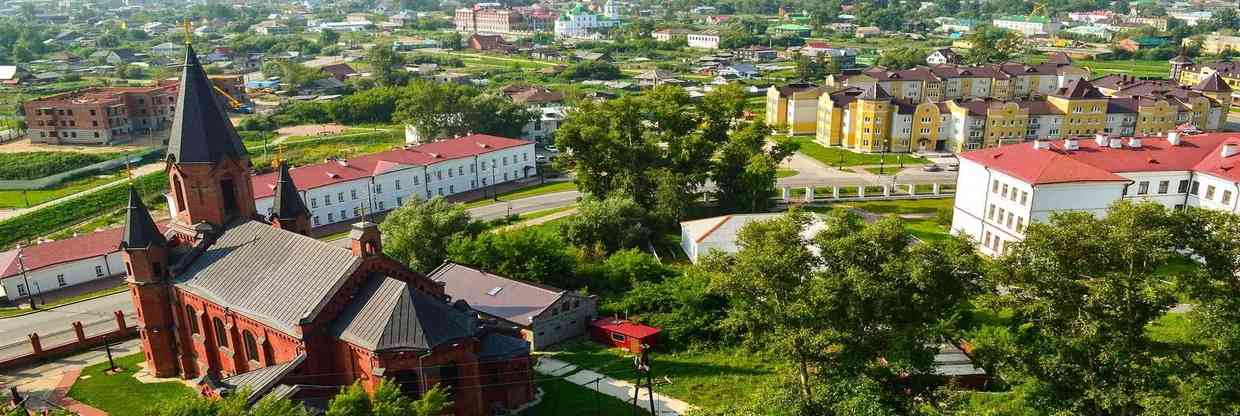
x=310 y=130
x=138 y=143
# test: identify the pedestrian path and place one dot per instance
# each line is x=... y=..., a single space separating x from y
x=47 y=385
x=619 y=389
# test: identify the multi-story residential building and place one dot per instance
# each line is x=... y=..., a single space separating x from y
x=669 y=34
x=1157 y=22
x=846 y=58
x=1028 y=25
x=1215 y=43
x=1093 y=16
x=868 y=118
x=112 y=115
x=343 y=190
x=794 y=106
x=495 y=21
x=1001 y=190
x=1188 y=74
x=1190 y=18
x=947 y=82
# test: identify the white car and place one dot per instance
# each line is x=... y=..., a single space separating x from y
x=551 y=148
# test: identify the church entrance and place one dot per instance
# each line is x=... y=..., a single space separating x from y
x=229 y=193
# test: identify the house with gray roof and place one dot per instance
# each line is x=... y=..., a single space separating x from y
x=543 y=315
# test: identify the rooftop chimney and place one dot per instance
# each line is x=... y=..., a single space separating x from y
x=1134 y=142
x=365 y=239
x=1041 y=144
x=1230 y=149
x=1117 y=143
x=1100 y=139
x=1071 y=143
x=1173 y=138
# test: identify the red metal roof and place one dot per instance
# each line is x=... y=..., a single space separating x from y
x=626 y=327
x=63 y=251
x=1094 y=163
x=337 y=171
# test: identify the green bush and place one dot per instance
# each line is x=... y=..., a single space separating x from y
x=34 y=165
x=47 y=220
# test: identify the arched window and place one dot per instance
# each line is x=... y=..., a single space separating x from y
x=191 y=318
x=179 y=191
x=251 y=347
x=221 y=334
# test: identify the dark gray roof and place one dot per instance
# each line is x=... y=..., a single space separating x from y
x=262 y=380
x=1213 y=83
x=497 y=346
x=140 y=229
x=288 y=203
x=389 y=315
x=201 y=132
x=278 y=277
x=508 y=299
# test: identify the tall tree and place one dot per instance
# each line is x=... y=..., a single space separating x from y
x=438 y=110
x=744 y=174
x=419 y=232
x=993 y=45
x=386 y=65
x=1082 y=290
x=607 y=225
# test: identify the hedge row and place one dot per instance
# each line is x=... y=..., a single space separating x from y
x=45 y=221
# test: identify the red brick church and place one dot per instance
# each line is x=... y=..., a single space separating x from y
x=242 y=301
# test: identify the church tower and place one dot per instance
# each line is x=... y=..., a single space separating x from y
x=288 y=212
x=208 y=168
x=145 y=254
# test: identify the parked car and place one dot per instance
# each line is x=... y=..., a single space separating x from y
x=932 y=168
x=551 y=148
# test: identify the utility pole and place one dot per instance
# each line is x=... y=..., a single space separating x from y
x=25 y=280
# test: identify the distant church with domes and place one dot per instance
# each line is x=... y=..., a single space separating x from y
x=582 y=23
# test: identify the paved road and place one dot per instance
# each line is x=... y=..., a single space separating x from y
x=54 y=325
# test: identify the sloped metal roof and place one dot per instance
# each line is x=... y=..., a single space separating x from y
x=262 y=380
x=288 y=203
x=140 y=229
x=389 y=315
x=201 y=132
x=275 y=276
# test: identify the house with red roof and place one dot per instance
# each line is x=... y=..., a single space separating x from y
x=341 y=190
x=55 y=265
x=1001 y=190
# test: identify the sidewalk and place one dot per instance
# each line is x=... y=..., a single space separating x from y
x=51 y=299
x=39 y=384
x=619 y=389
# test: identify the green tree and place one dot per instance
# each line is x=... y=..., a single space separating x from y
x=328 y=38
x=419 y=232
x=527 y=254
x=901 y=58
x=1082 y=291
x=744 y=173
x=607 y=225
x=993 y=45
x=386 y=65
x=439 y=110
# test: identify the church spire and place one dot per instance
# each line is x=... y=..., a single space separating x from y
x=288 y=212
x=140 y=229
x=201 y=131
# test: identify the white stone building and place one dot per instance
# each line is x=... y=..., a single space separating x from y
x=1001 y=190
x=700 y=237
x=704 y=40
x=1028 y=25
x=581 y=23
x=60 y=264
x=343 y=190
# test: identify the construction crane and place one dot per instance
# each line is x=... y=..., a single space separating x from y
x=237 y=106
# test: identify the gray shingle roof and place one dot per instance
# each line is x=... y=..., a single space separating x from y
x=201 y=132
x=389 y=315
x=262 y=380
x=140 y=229
x=278 y=277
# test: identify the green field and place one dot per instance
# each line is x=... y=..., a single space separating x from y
x=834 y=156
x=34 y=165
x=1140 y=68
x=562 y=398
x=120 y=393
x=701 y=378
x=19 y=199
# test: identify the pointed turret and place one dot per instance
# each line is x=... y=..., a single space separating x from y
x=201 y=131
x=1213 y=83
x=288 y=212
x=140 y=230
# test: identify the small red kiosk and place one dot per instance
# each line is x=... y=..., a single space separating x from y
x=622 y=333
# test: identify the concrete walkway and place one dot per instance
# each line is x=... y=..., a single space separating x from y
x=537 y=221
x=619 y=389
x=45 y=384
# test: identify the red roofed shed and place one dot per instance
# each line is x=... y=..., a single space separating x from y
x=623 y=333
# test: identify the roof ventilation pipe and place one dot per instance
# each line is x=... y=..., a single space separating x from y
x=1100 y=140
x=1173 y=138
x=1230 y=149
x=1117 y=143
x=1071 y=143
x=1134 y=142
x=1041 y=144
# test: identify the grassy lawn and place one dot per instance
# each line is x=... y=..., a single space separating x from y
x=15 y=199
x=784 y=173
x=701 y=378
x=907 y=206
x=564 y=398
x=8 y=312
x=121 y=394
x=835 y=156
x=543 y=189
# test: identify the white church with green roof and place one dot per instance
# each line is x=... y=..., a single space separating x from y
x=582 y=23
